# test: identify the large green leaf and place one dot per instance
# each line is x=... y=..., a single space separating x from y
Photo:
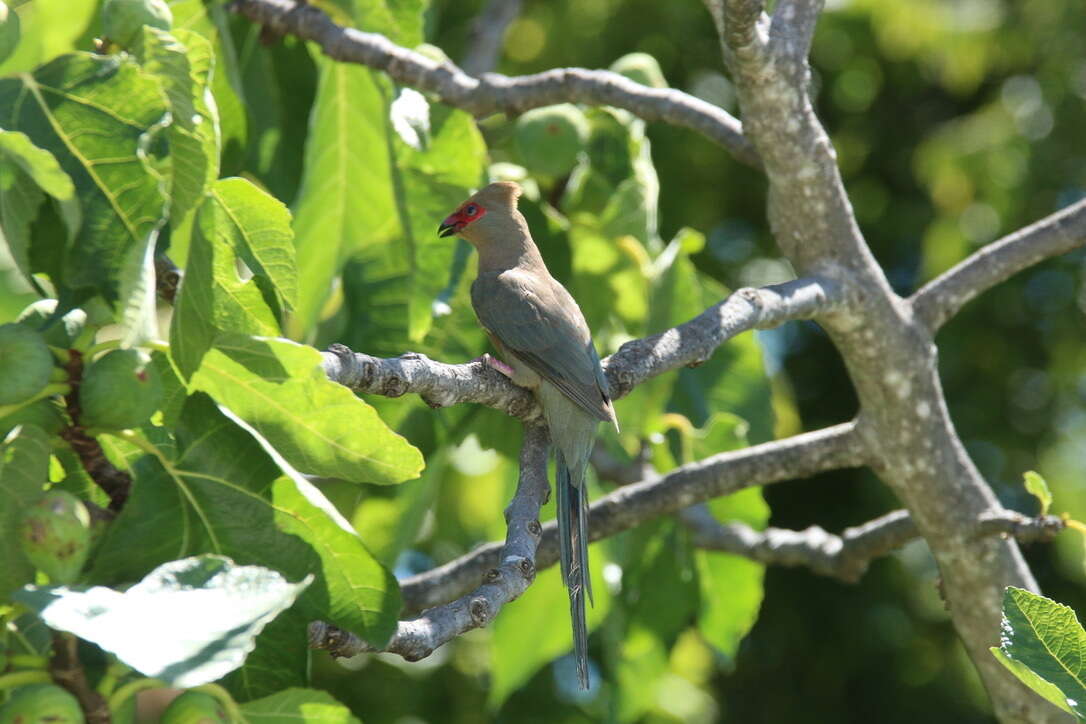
x=183 y=63
x=211 y=20
x=25 y=172
x=319 y=426
x=48 y=28
x=1044 y=645
x=399 y=20
x=24 y=467
x=223 y=493
x=298 y=706
x=188 y=622
x=279 y=661
x=366 y=193
x=236 y=222
x=95 y=114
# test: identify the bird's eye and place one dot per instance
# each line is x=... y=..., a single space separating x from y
x=471 y=210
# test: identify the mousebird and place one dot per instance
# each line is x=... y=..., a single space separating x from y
x=545 y=345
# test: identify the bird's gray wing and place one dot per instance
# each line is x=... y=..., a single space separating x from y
x=543 y=326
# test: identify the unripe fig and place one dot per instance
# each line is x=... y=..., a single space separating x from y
x=641 y=68
x=120 y=390
x=61 y=332
x=195 y=707
x=41 y=704
x=9 y=31
x=25 y=363
x=549 y=139
x=56 y=535
x=122 y=20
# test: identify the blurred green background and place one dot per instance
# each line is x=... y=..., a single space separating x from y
x=955 y=122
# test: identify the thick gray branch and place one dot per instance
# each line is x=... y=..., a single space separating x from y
x=848 y=555
x=693 y=342
x=796 y=457
x=507 y=578
x=492 y=92
x=890 y=355
x=942 y=298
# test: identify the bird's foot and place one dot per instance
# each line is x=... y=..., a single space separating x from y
x=495 y=363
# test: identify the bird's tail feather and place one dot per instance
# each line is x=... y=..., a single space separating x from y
x=572 y=505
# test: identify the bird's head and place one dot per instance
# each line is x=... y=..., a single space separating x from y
x=486 y=214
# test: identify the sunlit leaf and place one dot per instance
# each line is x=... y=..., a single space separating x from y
x=188 y=622
x=298 y=706
x=319 y=426
x=1044 y=645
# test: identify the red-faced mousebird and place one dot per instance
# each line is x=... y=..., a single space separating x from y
x=541 y=334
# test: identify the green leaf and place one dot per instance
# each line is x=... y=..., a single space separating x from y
x=368 y=194
x=187 y=623
x=401 y=21
x=183 y=62
x=280 y=659
x=26 y=171
x=319 y=426
x=1038 y=488
x=261 y=225
x=49 y=28
x=535 y=629
x=24 y=467
x=213 y=298
x=298 y=706
x=221 y=492
x=1044 y=645
x=211 y=21
x=95 y=114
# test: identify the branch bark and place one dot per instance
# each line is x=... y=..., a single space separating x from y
x=492 y=92
x=441 y=385
x=943 y=297
x=890 y=355
x=507 y=578
x=847 y=556
x=796 y=457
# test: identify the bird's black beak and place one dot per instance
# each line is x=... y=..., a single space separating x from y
x=446 y=229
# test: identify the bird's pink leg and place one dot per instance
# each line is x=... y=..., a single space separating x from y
x=497 y=364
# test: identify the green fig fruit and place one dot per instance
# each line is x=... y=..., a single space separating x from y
x=549 y=139
x=641 y=68
x=25 y=363
x=120 y=390
x=9 y=31
x=57 y=332
x=56 y=534
x=41 y=704
x=122 y=20
x=195 y=707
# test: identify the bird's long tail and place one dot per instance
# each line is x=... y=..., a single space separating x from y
x=572 y=507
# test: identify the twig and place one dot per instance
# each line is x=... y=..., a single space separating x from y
x=114 y=482
x=492 y=92
x=487 y=35
x=942 y=298
x=67 y=670
x=795 y=457
x=845 y=557
x=507 y=579
x=440 y=384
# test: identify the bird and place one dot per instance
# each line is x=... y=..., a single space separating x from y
x=545 y=345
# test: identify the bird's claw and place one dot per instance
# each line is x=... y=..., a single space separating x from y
x=497 y=364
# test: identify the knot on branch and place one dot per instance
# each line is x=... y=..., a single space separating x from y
x=480 y=611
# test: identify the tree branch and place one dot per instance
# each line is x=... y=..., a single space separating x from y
x=943 y=297
x=441 y=385
x=487 y=33
x=493 y=92
x=796 y=457
x=845 y=557
x=508 y=577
